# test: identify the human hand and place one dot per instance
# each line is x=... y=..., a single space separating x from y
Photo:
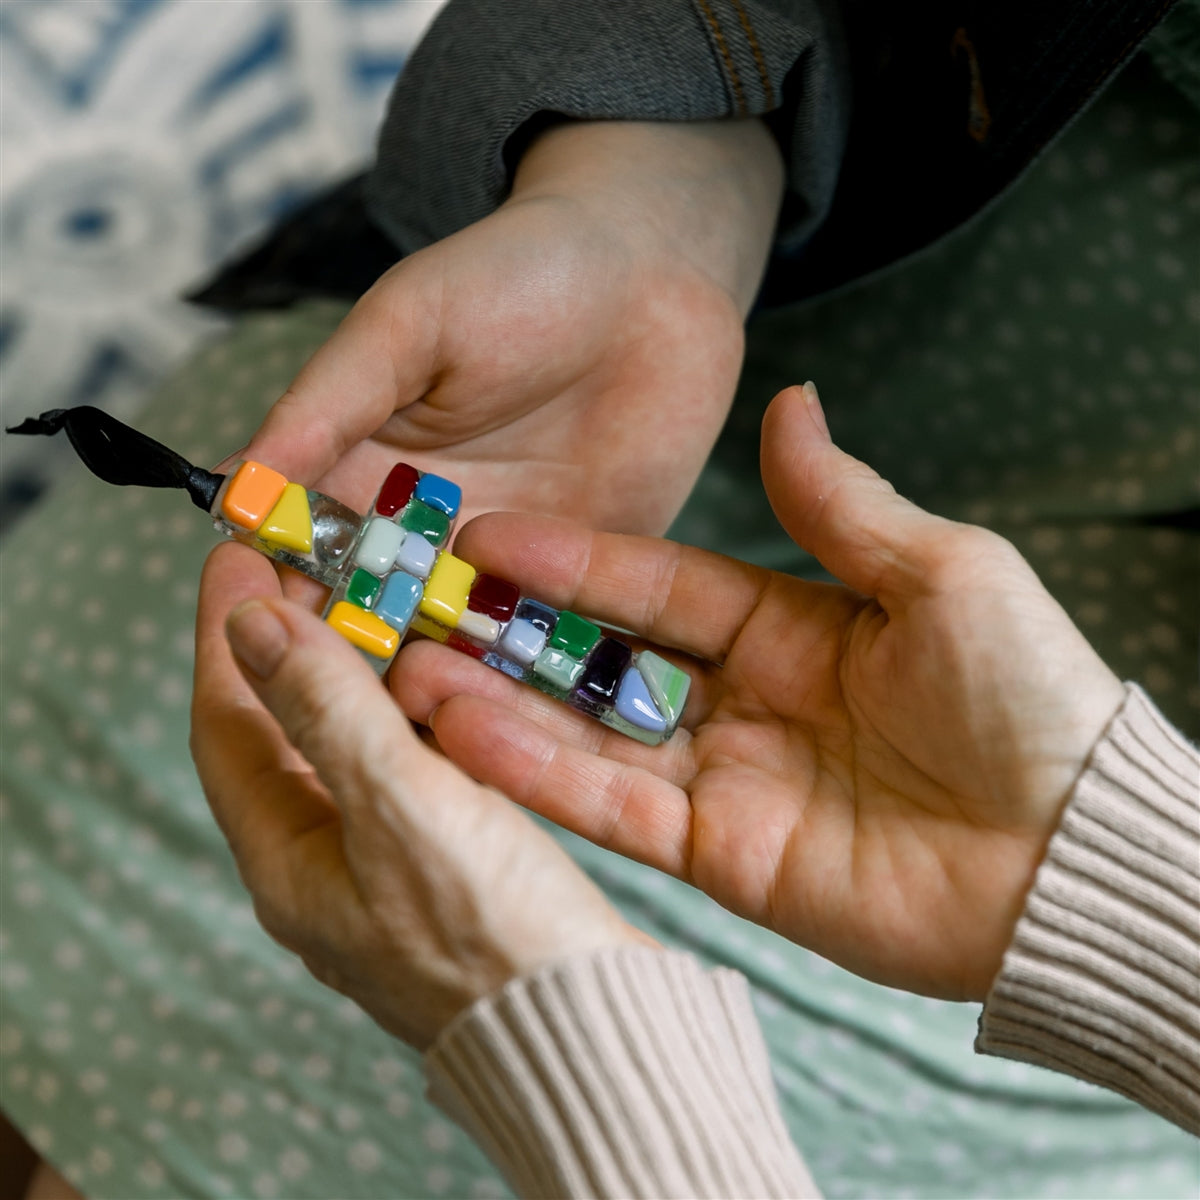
x=575 y=352
x=873 y=773
x=398 y=880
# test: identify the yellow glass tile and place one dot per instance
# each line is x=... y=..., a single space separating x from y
x=446 y=592
x=363 y=629
x=430 y=629
x=251 y=494
x=289 y=526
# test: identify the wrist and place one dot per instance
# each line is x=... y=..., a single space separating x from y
x=707 y=192
x=491 y=974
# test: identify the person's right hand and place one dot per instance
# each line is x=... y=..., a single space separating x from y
x=873 y=773
x=574 y=352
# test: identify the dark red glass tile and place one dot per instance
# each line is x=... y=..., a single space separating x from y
x=397 y=489
x=494 y=597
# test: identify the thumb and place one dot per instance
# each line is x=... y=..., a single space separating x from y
x=839 y=509
x=378 y=360
x=329 y=703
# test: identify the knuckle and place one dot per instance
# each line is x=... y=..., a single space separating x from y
x=277 y=921
x=315 y=716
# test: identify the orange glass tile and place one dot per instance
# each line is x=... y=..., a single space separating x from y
x=251 y=494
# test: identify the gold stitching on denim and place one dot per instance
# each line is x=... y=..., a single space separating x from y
x=756 y=50
x=739 y=93
x=979 y=116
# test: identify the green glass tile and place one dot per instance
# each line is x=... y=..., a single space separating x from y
x=362 y=588
x=558 y=668
x=667 y=684
x=432 y=525
x=573 y=635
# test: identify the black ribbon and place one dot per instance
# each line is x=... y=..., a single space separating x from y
x=118 y=454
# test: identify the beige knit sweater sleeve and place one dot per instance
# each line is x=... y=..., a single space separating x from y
x=1102 y=979
x=638 y=1073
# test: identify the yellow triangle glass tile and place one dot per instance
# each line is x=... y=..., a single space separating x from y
x=289 y=524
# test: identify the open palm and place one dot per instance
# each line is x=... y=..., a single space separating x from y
x=873 y=773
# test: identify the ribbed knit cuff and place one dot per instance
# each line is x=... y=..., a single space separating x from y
x=1102 y=979
x=632 y=1072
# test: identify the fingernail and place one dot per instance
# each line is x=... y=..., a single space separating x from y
x=258 y=638
x=815 y=411
x=222 y=468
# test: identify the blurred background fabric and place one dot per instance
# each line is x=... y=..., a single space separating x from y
x=142 y=142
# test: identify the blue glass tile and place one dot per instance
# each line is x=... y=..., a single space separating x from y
x=439 y=494
x=399 y=600
x=539 y=614
x=635 y=705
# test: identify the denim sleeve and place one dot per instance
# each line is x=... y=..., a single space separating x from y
x=489 y=73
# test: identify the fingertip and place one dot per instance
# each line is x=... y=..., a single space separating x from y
x=232 y=574
x=258 y=638
x=795 y=414
x=230 y=460
x=814 y=408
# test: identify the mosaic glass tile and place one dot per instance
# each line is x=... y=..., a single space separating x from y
x=335 y=527
x=363 y=588
x=522 y=641
x=558 y=667
x=432 y=525
x=398 y=603
x=537 y=613
x=397 y=490
x=363 y=629
x=479 y=626
x=376 y=549
x=495 y=597
x=603 y=670
x=635 y=704
x=667 y=684
x=289 y=524
x=446 y=592
x=250 y=494
x=440 y=494
x=573 y=635
x=464 y=645
x=416 y=556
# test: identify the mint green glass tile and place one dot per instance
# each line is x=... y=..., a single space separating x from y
x=558 y=668
x=668 y=685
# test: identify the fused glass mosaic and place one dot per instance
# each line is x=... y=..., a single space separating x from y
x=390 y=575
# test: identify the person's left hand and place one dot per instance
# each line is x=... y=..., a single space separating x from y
x=398 y=881
x=873 y=771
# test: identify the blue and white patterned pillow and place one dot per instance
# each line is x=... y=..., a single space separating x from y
x=143 y=140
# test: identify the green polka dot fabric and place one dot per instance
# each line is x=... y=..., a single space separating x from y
x=154 y=1043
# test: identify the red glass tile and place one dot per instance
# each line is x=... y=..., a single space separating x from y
x=493 y=596
x=463 y=645
x=397 y=488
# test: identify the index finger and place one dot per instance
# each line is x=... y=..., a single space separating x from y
x=675 y=595
x=378 y=360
